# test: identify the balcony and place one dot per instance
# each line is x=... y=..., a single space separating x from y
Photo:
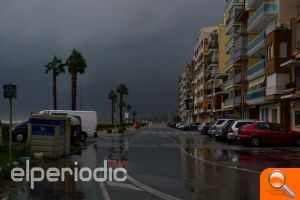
x=275 y=89
x=292 y=85
x=230 y=24
x=232 y=3
x=256 y=95
x=256 y=70
x=229 y=102
x=253 y=3
x=229 y=83
x=264 y=15
x=238 y=100
x=257 y=44
x=229 y=45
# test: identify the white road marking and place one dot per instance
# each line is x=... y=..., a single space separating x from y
x=104 y=191
x=123 y=185
x=151 y=190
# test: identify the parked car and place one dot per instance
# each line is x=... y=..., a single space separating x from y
x=20 y=132
x=222 y=133
x=267 y=133
x=204 y=130
x=179 y=124
x=88 y=119
x=233 y=129
x=200 y=127
x=189 y=127
x=217 y=126
x=172 y=124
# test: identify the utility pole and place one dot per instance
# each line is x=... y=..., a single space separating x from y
x=10 y=92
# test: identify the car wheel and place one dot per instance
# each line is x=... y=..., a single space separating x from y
x=298 y=142
x=19 y=137
x=255 y=141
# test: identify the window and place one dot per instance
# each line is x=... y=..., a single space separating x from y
x=271 y=51
x=297 y=118
x=219 y=122
x=277 y=127
x=240 y=124
x=283 y=50
x=263 y=126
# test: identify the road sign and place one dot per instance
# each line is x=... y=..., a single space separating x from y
x=10 y=91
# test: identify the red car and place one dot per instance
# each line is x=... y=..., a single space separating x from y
x=267 y=133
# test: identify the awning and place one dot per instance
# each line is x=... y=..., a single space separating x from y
x=290 y=63
x=256 y=81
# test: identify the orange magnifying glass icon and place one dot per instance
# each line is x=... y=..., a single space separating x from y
x=277 y=180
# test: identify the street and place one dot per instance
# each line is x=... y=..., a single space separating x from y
x=165 y=163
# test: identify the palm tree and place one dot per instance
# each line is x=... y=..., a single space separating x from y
x=76 y=64
x=56 y=67
x=134 y=113
x=129 y=107
x=122 y=90
x=113 y=97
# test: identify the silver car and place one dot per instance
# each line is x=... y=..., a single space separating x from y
x=233 y=130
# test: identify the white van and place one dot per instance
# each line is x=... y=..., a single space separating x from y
x=88 y=119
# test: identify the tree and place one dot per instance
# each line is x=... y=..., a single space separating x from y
x=76 y=64
x=57 y=67
x=134 y=113
x=122 y=90
x=113 y=97
x=129 y=107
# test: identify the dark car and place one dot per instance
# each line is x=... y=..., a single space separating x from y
x=267 y=133
x=205 y=129
x=19 y=132
x=191 y=127
x=172 y=124
x=222 y=134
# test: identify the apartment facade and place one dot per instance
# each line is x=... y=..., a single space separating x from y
x=186 y=93
x=249 y=67
x=205 y=49
x=291 y=94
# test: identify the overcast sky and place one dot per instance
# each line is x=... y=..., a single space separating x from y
x=141 y=43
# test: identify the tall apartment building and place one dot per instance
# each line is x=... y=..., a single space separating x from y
x=218 y=57
x=186 y=93
x=202 y=91
x=268 y=47
x=234 y=95
x=291 y=94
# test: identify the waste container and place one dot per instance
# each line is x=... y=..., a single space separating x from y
x=49 y=135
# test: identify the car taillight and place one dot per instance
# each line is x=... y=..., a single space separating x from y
x=214 y=127
x=230 y=130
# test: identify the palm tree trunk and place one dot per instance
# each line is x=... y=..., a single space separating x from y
x=121 y=109
x=54 y=90
x=74 y=86
x=112 y=111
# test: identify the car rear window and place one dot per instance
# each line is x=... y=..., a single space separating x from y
x=240 y=124
x=219 y=122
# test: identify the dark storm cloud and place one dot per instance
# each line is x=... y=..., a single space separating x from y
x=142 y=43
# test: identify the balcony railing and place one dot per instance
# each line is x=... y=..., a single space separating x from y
x=293 y=85
x=256 y=70
x=265 y=8
x=251 y=3
x=231 y=3
x=256 y=94
x=238 y=100
x=229 y=102
x=258 y=42
x=229 y=44
x=229 y=83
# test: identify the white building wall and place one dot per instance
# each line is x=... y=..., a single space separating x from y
x=267 y=113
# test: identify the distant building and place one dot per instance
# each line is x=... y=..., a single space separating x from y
x=186 y=93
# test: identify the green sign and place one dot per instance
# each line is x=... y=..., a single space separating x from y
x=10 y=91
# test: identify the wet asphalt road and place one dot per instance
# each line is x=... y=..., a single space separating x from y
x=165 y=163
